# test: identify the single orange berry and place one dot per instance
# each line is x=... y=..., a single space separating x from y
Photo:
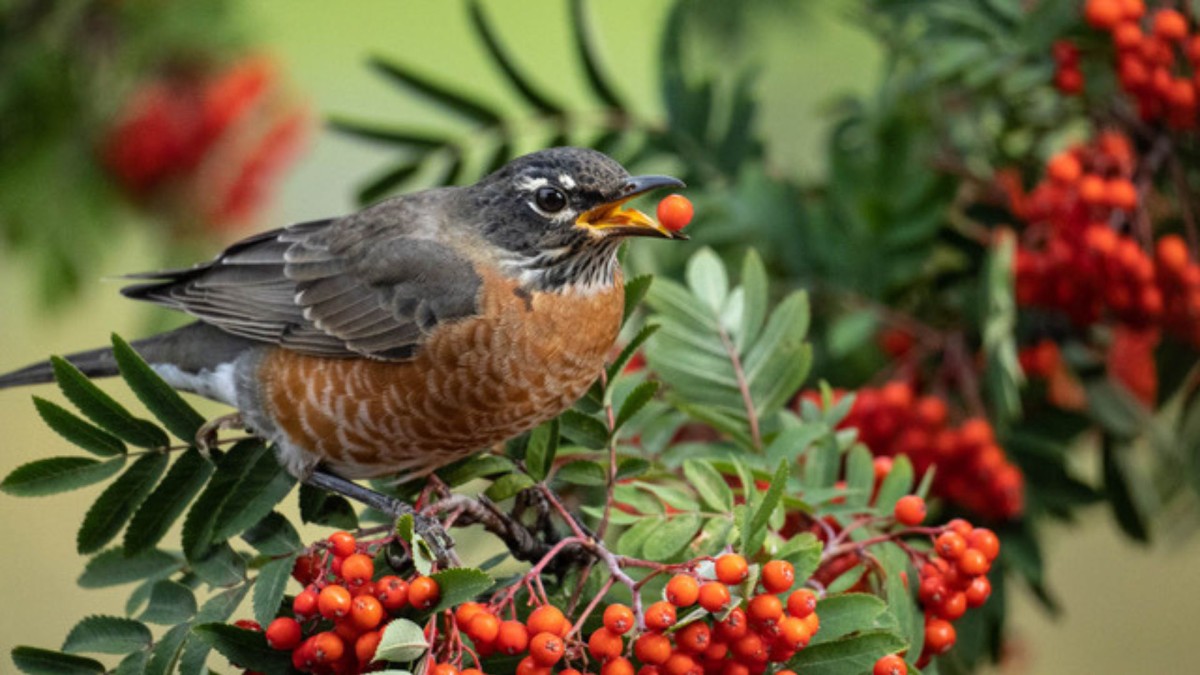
x=547 y=648
x=950 y=545
x=1064 y=168
x=512 y=638
x=778 y=576
x=985 y=541
x=1170 y=24
x=910 y=510
x=618 y=618
x=660 y=615
x=604 y=644
x=530 y=666
x=733 y=627
x=366 y=612
x=357 y=569
x=714 y=596
x=484 y=628
x=732 y=569
x=342 y=543
x=1102 y=14
x=466 y=611
x=284 y=633
x=617 y=666
x=683 y=590
x=694 y=637
x=304 y=605
x=681 y=664
x=765 y=608
x=978 y=592
x=548 y=619
x=423 y=592
x=365 y=646
x=801 y=603
x=750 y=647
x=334 y=602
x=652 y=648
x=444 y=669
x=891 y=664
x=392 y=592
x=328 y=647
x=675 y=212
x=939 y=636
x=973 y=563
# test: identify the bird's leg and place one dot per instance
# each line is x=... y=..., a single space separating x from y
x=440 y=543
x=206 y=435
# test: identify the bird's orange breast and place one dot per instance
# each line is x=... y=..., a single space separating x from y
x=473 y=383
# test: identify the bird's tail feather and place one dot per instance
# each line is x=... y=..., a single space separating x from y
x=93 y=363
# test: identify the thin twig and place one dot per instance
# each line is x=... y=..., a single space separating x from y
x=743 y=386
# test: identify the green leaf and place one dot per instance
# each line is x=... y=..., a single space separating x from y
x=1114 y=408
x=821 y=464
x=477 y=466
x=850 y=332
x=219 y=565
x=910 y=624
x=168 y=501
x=709 y=484
x=1120 y=483
x=58 y=474
x=500 y=58
x=860 y=476
x=170 y=603
x=635 y=291
x=541 y=449
x=116 y=504
x=325 y=508
x=166 y=651
x=670 y=538
x=113 y=567
x=754 y=299
x=269 y=587
x=107 y=635
x=589 y=57
x=627 y=352
x=200 y=523
x=36 y=661
x=458 y=101
x=402 y=641
x=159 y=397
x=854 y=654
x=382 y=183
x=256 y=493
x=407 y=138
x=584 y=429
x=460 y=584
x=247 y=648
x=706 y=278
x=635 y=401
x=631 y=541
x=508 y=486
x=133 y=664
x=273 y=535
x=77 y=430
x=895 y=485
x=754 y=528
x=847 y=613
x=217 y=609
x=631 y=467
x=102 y=409
x=582 y=472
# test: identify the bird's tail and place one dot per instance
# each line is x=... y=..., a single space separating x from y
x=191 y=348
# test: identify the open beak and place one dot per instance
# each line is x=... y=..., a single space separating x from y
x=611 y=219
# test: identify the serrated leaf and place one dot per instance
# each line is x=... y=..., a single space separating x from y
x=584 y=429
x=102 y=409
x=847 y=613
x=460 y=584
x=631 y=467
x=219 y=566
x=159 y=397
x=133 y=664
x=35 y=661
x=670 y=538
x=200 y=522
x=325 y=508
x=755 y=526
x=709 y=484
x=674 y=497
x=107 y=635
x=269 y=587
x=909 y=622
x=860 y=476
x=754 y=299
x=58 y=474
x=635 y=401
x=170 y=603
x=508 y=486
x=630 y=348
x=217 y=609
x=706 y=278
x=541 y=449
x=254 y=495
x=635 y=290
x=165 y=653
x=582 y=472
x=631 y=541
x=273 y=535
x=168 y=501
x=247 y=648
x=821 y=464
x=116 y=504
x=474 y=467
x=854 y=654
x=77 y=430
x=895 y=485
x=402 y=641
x=113 y=567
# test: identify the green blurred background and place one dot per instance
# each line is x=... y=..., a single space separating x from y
x=1126 y=609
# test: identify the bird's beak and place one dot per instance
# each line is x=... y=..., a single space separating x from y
x=611 y=219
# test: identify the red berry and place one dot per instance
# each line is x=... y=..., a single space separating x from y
x=660 y=615
x=683 y=590
x=652 y=648
x=681 y=664
x=891 y=664
x=529 y=666
x=366 y=612
x=950 y=545
x=484 y=628
x=939 y=636
x=423 y=592
x=304 y=605
x=604 y=644
x=357 y=569
x=985 y=541
x=778 y=576
x=714 y=596
x=618 y=618
x=732 y=569
x=546 y=648
x=973 y=563
x=617 y=666
x=550 y=619
x=978 y=592
x=675 y=212
x=328 y=647
x=365 y=646
x=694 y=637
x=392 y=592
x=794 y=632
x=467 y=611
x=444 y=669
x=512 y=638
x=910 y=510
x=734 y=626
x=765 y=608
x=801 y=603
x=1170 y=24
x=334 y=602
x=284 y=633
x=343 y=543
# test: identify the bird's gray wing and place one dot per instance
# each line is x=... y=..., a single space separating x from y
x=360 y=286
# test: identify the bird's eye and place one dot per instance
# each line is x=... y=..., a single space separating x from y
x=550 y=200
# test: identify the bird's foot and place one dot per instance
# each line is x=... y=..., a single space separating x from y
x=441 y=545
x=207 y=435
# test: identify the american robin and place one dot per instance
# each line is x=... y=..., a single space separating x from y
x=411 y=334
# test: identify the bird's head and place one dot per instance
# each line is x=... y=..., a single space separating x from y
x=559 y=215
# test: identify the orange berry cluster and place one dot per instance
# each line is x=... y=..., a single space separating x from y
x=972 y=469
x=338 y=619
x=1178 y=278
x=1157 y=58
x=213 y=142
x=953 y=580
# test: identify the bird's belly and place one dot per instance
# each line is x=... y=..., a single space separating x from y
x=473 y=384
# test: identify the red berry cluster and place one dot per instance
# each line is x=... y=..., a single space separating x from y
x=1157 y=58
x=972 y=470
x=1178 y=278
x=338 y=619
x=953 y=580
x=211 y=144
